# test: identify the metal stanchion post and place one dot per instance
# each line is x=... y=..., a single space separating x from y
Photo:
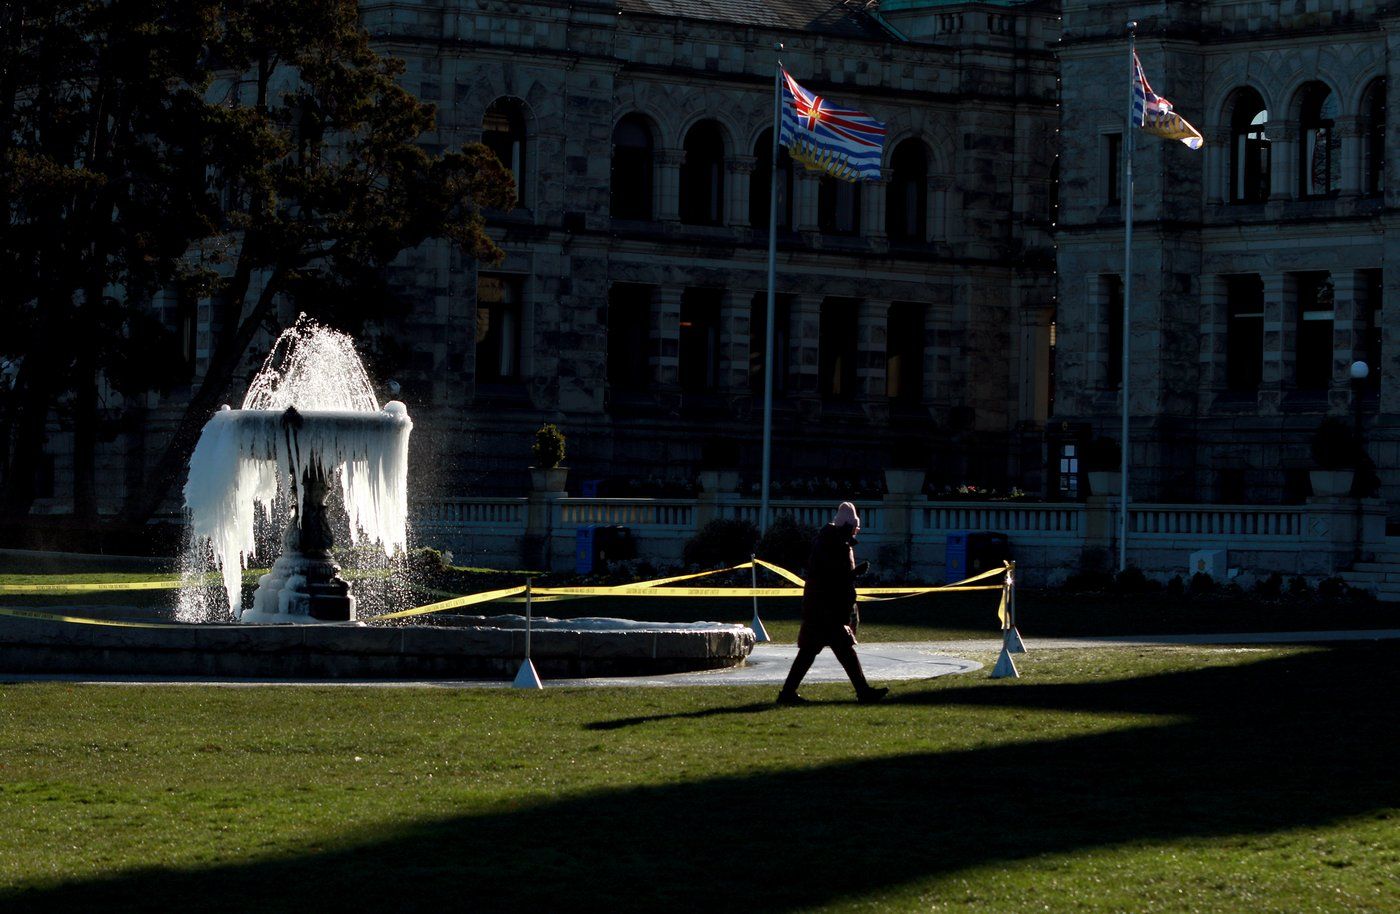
x=760 y=634
x=1005 y=666
x=527 y=678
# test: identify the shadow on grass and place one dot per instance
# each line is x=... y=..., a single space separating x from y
x=1289 y=742
x=620 y=723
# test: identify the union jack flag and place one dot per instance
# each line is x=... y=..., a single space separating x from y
x=1154 y=114
x=842 y=142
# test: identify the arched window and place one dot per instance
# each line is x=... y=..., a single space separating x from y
x=1319 y=146
x=1373 y=151
x=906 y=208
x=838 y=206
x=702 y=175
x=762 y=180
x=632 y=156
x=503 y=132
x=1249 y=149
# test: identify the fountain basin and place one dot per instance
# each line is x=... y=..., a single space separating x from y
x=348 y=651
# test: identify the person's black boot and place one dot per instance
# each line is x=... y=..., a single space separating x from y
x=870 y=694
x=790 y=698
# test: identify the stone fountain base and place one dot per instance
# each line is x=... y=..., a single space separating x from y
x=300 y=589
x=483 y=651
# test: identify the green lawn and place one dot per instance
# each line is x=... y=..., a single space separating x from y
x=1111 y=780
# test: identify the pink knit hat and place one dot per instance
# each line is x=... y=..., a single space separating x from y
x=846 y=514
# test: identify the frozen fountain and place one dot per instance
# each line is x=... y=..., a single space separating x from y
x=310 y=417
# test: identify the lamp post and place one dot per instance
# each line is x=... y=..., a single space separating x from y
x=1359 y=371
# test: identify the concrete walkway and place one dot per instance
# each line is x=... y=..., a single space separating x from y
x=768 y=665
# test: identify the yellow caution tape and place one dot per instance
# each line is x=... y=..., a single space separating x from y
x=780 y=570
x=89 y=588
x=85 y=620
x=456 y=603
x=683 y=577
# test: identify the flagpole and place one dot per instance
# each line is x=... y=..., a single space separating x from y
x=1128 y=135
x=772 y=293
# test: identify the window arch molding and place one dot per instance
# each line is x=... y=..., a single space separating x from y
x=508 y=129
x=909 y=165
x=1372 y=106
x=1245 y=119
x=1315 y=108
x=635 y=141
x=708 y=147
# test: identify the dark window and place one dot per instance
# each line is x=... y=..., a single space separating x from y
x=1371 y=333
x=1244 y=333
x=1113 y=326
x=1050 y=368
x=497 y=327
x=904 y=353
x=1230 y=487
x=699 y=343
x=1374 y=113
x=838 y=206
x=632 y=168
x=758 y=336
x=1313 y=351
x=762 y=181
x=836 y=357
x=906 y=207
x=629 y=344
x=1319 y=145
x=702 y=176
x=1249 y=149
x=503 y=132
x=1113 y=167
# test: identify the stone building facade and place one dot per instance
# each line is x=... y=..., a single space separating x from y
x=913 y=313
x=1263 y=265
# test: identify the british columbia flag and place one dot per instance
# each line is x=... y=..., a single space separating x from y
x=841 y=142
x=1154 y=114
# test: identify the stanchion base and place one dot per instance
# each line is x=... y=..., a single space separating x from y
x=1012 y=641
x=527 y=678
x=760 y=634
x=1006 y=667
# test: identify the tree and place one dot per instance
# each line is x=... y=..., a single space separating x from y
x=243 y=151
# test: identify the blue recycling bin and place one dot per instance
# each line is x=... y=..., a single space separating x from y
x=584 y=553
x=972 y=553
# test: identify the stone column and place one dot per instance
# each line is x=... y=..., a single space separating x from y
x=738 y=174
x=873 y=200
x=937 y=223
x=1350 y=130
x=872 y=349
x=1217 y=171
x=1215 y=326
x=940 y=350
x=663 y=355
x=1283 y=161
x=1280 y=306
x=804 y=191
x=804 y=346
x=1033 y=384
x=734 y=333
x=668 y=198
x=1348 y=322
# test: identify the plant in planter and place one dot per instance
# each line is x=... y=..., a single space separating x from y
x=548 y=452
x=1340 y=456
x=1103 y=461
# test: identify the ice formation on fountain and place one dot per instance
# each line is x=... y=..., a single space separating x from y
x=309 y=414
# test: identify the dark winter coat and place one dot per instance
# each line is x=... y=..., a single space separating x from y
x=829 y=596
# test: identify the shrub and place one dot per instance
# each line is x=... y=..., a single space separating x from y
x=1202 y=583
x=1335 y=446
x=1176 y=587
x=1132 y=580
x=548 y=449
x=1332 y=589
x=1299 y=587
x=786 y=543
x=1089 y=582
x=721 y=542
x=1270 y=587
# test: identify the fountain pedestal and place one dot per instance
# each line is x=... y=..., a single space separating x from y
x=304 y=584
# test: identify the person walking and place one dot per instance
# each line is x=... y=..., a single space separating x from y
x=829 y=607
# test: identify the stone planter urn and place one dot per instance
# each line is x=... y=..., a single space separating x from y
x=1331 y=483
x=1105 y=482
x=904 y=482
x=719 y=482
x=548 y=480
